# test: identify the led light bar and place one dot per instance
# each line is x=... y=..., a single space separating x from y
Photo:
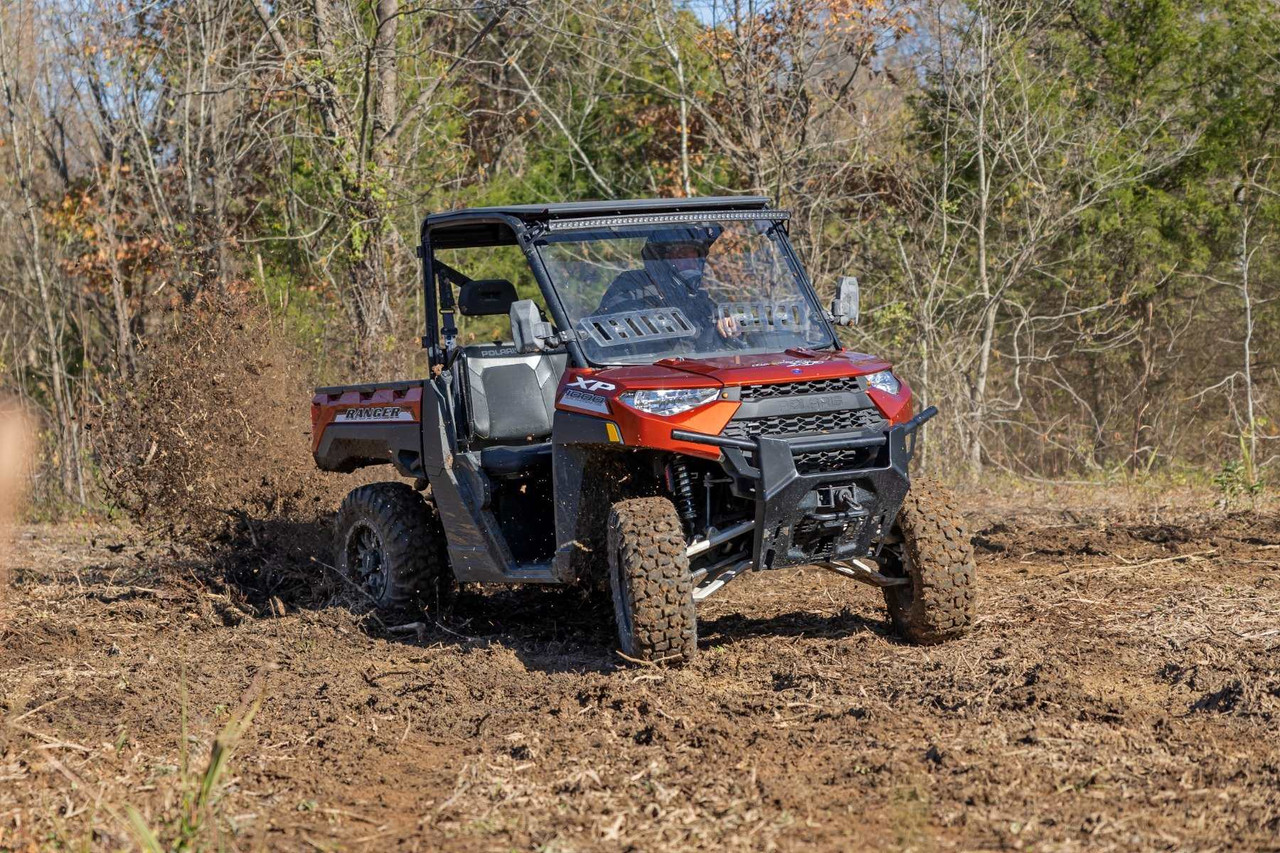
x=666 y=218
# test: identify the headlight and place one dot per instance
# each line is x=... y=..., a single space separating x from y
x=885 y=381
x=669 y=402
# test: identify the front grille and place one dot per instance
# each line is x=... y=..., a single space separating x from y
x=835 y=460
x=809 y=386
x=841 y=420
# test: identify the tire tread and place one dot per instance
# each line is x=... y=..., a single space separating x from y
x=649 y=574
x=944 y=574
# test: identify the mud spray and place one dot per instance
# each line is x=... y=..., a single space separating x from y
x=209 y=445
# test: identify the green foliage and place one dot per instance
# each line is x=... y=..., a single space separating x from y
x=1233 y=481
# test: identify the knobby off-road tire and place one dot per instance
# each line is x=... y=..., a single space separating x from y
x=391 y=547
x=649 y=577
x=933 y=551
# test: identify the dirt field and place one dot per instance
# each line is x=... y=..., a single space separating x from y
x=1121 y=692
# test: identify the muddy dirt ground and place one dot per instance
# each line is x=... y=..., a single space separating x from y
x=1121 y=692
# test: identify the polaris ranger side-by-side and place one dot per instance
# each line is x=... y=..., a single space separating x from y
x=674 y=409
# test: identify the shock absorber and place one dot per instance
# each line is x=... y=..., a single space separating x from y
x=682 y=491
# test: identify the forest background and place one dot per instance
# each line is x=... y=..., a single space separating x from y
x=1064 y=215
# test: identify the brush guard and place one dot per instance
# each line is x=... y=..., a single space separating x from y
x=833 y=513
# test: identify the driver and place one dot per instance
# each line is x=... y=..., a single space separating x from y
x=674 y=266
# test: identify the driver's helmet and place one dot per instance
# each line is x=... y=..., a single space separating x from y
x=679 y=253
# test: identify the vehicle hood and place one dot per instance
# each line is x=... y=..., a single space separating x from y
x=793 y=365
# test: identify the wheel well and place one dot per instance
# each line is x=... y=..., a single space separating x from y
x=589 y=479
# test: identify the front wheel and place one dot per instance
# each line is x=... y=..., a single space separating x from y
x=391 y=548
x=931 y=549
x=649 y=577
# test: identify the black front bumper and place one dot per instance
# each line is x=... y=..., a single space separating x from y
x=834 y=511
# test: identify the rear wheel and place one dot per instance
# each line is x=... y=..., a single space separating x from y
x=391 y=548
x=649 y=578
x=931 y=549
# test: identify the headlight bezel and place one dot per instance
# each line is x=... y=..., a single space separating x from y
x=885 y=382
x=668 y=402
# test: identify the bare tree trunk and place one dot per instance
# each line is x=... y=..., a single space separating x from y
x=369 y=269
x=384 y=62
x=673 y=49
x=989 y=304
x=1246 y=257
x=1144 y=386
x=119 y=299
x=63 y=401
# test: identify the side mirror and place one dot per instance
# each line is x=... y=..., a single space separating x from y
x=529 y=331
x=844 y=308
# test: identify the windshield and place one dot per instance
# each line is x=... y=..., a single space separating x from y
x=638 y=294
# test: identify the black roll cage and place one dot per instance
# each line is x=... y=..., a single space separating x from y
x=523 y=225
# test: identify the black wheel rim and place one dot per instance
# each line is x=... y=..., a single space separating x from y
x=367 y=561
